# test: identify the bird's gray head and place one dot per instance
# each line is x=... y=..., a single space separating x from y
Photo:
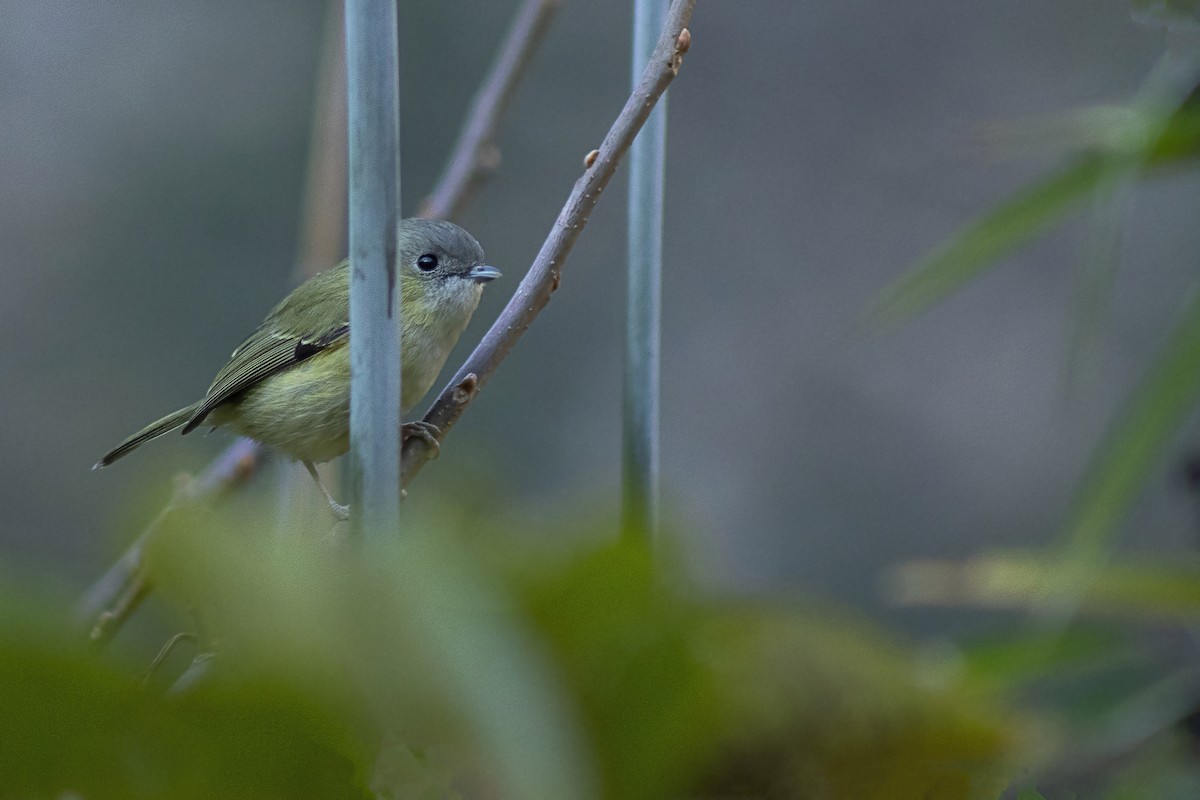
x=441 y=265
x=438 y=250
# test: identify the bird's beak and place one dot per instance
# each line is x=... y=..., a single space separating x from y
x=483 y=273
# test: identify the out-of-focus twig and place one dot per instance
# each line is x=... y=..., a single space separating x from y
x=544 y=275
x=108 y=603
x=163 y=652
x=323 y=218
x=475 y=155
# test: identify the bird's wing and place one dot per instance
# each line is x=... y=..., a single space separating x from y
x=263 y=354
x=285 y=338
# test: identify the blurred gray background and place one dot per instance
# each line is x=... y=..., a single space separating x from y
x=153 y=165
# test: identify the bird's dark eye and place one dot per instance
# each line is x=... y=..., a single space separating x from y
x=427 y=262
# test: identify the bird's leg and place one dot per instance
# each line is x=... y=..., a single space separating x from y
x=425 y=431
x=340 y=511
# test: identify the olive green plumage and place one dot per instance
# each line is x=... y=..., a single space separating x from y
x=288 y=384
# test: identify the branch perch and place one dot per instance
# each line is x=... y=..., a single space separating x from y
x=546 y=272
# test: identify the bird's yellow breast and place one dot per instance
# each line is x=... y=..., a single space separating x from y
x=303 y=411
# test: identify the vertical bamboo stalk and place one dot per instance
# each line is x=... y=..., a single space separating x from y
x=647 y=168
x=372 y=57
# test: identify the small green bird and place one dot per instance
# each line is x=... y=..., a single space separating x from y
x=288 y=384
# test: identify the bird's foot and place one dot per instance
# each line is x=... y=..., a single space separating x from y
x=340 y=512
x=425 y=431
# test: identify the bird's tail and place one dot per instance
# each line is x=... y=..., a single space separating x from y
x=152 y=431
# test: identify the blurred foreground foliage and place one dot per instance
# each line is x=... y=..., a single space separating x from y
x=454 y=664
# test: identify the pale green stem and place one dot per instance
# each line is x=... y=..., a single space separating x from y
x=372 y=57
x=640 y=409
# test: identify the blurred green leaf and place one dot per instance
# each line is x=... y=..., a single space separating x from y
x=1144 y=590
x=967 y=254
x=1132 y=447
x=1152 y=138
x=1178 y=140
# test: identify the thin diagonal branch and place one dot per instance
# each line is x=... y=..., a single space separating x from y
x=544 y=275
x=104 y=608
x=475 y=156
